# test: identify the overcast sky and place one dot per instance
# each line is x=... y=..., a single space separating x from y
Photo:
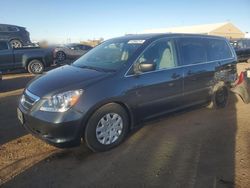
x=60 y=20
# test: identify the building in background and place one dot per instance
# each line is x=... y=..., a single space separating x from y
x=93 y=42
x=225 y=29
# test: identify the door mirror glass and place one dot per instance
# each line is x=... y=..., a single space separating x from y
x=146 y=66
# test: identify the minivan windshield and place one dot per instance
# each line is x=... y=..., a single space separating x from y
x=110 y=55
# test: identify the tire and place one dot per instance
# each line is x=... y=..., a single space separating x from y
x=35 y=67
x=15 y=43
x=219 y=97
x=101 y=136
x=60 y=56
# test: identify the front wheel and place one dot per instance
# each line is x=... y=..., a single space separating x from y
x=35 y=67
x=106 y=128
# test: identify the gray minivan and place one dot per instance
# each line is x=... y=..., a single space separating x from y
x=123 y=82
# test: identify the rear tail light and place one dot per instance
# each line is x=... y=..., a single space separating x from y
x=241 y=78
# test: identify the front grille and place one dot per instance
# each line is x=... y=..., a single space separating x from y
x=28 y=99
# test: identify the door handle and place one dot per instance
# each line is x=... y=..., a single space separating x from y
x=193 y=78
x=171 y=84
x=175 y=76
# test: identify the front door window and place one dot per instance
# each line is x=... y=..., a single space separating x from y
x=161 y=53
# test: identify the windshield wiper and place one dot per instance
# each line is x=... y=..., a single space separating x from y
x=97 y=68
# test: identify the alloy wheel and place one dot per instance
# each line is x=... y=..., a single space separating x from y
x=60 y=56
x=36 y=67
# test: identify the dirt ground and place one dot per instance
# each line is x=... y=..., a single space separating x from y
x=197 y=148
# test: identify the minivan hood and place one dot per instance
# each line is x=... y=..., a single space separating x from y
x=62 y=78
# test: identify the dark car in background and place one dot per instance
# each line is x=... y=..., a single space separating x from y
x=71 y=51
x=123 y=82
x=16 y=35
x=242 y=49
x=33 y=59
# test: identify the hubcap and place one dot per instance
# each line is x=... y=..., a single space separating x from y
x=109 y=128
x=36 y=67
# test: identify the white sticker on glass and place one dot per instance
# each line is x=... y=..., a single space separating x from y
x=136 y=41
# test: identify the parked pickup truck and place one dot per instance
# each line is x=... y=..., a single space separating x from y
x=33 y=59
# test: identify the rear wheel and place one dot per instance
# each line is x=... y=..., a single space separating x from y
x=15 y=43
x=219 y=97
x=106 y=128
x=35 y=67
x=60 y=56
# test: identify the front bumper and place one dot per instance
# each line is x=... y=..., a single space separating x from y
x=58 y=129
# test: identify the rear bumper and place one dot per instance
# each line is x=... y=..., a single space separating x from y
x=243 y=88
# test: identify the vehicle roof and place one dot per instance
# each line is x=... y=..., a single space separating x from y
x=162 y=35
x=12 y=25
x=73 y=44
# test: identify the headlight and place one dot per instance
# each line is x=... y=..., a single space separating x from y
x=61 y=102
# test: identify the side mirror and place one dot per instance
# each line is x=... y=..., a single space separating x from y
x=146 y=67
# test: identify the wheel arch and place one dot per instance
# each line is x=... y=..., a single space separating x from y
x=15 y=38
x=214 y=89
x=28 y=60
x=129 y=112
x=96 y=107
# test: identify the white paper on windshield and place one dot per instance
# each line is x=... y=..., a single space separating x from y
x=136 y=41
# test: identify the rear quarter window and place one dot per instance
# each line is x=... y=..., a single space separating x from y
x=201 y=50
x=218 y=49
x=12 y=29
